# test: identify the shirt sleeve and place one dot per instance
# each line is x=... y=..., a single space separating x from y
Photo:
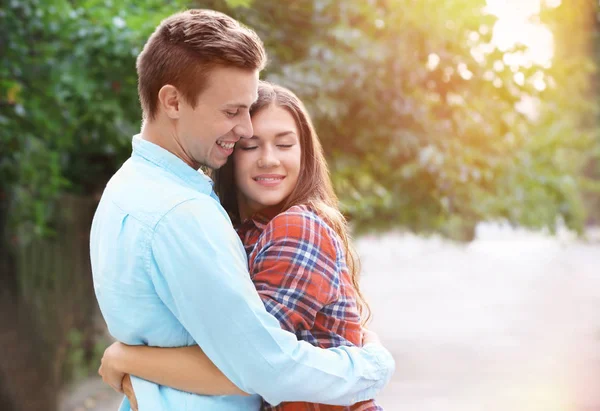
x=200 y=273
x=295 y=269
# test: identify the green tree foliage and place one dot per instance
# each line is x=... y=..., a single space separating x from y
x=574 y=48
x=416 y=110
x=422 y=132
x=67 y=100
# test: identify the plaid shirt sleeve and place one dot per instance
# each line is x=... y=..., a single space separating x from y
x=295 y=269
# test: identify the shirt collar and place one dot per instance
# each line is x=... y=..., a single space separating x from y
x=261 y=218
x=170 y=162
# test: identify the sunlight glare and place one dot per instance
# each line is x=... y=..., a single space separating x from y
x=433 y=60
x=514 y=26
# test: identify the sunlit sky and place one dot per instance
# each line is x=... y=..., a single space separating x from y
x=515 y=26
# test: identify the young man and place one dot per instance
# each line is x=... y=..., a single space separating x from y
x=169 y=270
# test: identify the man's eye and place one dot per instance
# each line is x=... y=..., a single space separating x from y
x=232 y=113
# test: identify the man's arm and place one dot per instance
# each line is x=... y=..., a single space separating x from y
x=201 y=275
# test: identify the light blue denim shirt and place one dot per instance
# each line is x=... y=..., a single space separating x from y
x=169 y=270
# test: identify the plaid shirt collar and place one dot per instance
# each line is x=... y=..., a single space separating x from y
x=259 y=220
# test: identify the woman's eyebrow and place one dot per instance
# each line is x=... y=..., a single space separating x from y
x=284 y=133
x=280 y=134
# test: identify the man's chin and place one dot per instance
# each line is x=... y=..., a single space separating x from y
x=216 y=164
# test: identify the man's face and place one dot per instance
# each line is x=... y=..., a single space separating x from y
x=208 y=132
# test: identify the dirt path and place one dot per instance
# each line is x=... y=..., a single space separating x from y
x=509 y=322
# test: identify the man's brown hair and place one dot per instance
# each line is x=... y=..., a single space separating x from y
x=186 y=46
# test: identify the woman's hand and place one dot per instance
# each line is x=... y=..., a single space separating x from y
x=128 y=390
x=108 y=371
x=370 y=337
x=118 y=380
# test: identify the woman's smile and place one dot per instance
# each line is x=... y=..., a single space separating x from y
x=269 y=180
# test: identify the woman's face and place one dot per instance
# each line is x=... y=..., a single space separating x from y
x=266 y=166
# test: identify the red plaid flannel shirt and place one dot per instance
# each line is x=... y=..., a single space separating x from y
x=298 y=266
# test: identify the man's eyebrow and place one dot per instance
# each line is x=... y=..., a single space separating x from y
x=236 y=105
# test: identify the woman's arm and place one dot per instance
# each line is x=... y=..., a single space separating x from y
x=186 y=368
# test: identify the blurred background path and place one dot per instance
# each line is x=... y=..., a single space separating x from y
x=508 y=322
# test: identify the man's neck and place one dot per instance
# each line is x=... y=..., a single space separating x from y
x=164 y=135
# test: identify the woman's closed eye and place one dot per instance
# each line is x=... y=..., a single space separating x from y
x=285 y=145
x=247 y=148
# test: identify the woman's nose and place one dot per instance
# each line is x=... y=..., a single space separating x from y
x=268 y=159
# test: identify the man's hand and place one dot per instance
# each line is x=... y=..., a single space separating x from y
x=128 y=390
x=370 y=337
x=110 y=375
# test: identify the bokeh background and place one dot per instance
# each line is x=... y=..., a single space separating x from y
x=463 y=138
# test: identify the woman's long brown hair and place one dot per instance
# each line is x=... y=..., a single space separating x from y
x=314 y=186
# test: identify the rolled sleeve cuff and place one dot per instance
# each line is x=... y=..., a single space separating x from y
x=385 y=365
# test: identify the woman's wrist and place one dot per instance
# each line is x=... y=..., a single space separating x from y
x=115 y=357
x=112 y=367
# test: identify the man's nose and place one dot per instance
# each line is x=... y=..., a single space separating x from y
x=244 y=128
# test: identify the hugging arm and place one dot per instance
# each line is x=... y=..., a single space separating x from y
x=294 y=286
x=185 y=368
x=202 y=277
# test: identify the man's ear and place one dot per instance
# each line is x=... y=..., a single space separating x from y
x=169 y=100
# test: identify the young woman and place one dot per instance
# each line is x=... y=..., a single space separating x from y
x=278 y=193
